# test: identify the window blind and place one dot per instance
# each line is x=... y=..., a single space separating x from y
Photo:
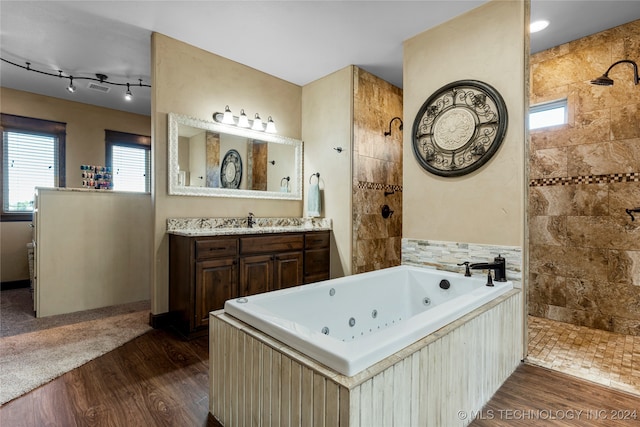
x=30 y=160
x=131 y=168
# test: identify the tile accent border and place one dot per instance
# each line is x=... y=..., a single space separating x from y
x=586 y=179
x=364 y=185
x=446 y=256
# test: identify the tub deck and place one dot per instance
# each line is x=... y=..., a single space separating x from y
x=256 y=377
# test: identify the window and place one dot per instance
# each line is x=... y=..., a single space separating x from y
x=129 y=157
x=548 y=114
x=33 y=155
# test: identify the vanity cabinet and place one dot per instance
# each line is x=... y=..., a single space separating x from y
x=205 y=271
x=316 y=259
x=268 y=263
x=216 y=282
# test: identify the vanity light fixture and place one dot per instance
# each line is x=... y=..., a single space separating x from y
x=605 y=80
x=227 y=118
x=71 y=88
x=257 y=123
x=271 y=126
x=243 y=122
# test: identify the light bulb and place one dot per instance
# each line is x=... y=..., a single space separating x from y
x=243 y=121
x=257 y=123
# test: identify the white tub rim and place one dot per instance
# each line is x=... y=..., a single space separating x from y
x=348 y=358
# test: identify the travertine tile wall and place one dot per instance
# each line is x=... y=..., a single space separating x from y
x=584 y=248
x=377 y=168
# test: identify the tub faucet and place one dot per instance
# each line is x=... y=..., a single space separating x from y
x=499 y=265
x=467 y=273
x=250 y=220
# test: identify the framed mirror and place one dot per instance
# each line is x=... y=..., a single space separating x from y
x=207 y=158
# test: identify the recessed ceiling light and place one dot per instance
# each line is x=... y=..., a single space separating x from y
x=536 y=26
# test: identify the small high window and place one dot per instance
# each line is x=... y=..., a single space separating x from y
x=32 y=156
x=129 y=157
x=548 y=114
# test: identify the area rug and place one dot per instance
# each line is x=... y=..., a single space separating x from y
x=30 y=359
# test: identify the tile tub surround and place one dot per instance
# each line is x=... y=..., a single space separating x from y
x=232 y=226
x=584 y=250
x=255 y=379
x=447 y=255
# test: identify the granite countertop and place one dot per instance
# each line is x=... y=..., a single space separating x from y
x=193 y=227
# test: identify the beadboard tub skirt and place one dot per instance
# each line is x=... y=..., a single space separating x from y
x=440 y=379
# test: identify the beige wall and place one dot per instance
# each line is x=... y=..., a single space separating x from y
x=92 y=249
x=584 y=248
x=327 y=118
x=84 y=145
x=486 y=206
x=190 y=81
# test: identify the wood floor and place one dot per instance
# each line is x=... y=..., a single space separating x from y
x=154 y=380
x=535 y=396
x=159 y=380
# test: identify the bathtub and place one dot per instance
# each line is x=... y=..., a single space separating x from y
x=351 y=323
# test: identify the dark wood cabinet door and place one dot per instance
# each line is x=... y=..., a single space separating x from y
x=288 y=270
x=216 y=282
x=256 y=274
x=316 y=265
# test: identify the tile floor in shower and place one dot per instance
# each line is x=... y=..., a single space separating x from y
x=595 y=355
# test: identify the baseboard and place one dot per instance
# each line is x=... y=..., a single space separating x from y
x=16 y=284
x=159 y=321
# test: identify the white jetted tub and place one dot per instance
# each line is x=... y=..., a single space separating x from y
x=350 y=323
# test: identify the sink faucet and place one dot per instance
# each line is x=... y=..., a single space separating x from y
x=499 y=265
x=250 y=220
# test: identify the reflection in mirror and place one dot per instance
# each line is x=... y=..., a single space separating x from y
x=213 y=159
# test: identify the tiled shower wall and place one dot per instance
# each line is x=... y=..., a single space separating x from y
x=377 y=168
x=584 y=247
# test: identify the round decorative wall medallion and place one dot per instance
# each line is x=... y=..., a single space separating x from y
x=231 y=170
x=459 y=128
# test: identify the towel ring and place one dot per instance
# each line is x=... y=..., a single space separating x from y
x=317 y=175
x=286 y=178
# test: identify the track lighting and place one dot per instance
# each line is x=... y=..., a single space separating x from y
x=71 y=88
x=128 y=96
x=243 y=121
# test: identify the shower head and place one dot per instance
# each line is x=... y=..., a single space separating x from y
x=605 y=80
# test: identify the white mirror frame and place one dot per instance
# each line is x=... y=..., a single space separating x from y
x=181 y=190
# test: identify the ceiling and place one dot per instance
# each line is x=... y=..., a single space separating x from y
x=298 y=41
